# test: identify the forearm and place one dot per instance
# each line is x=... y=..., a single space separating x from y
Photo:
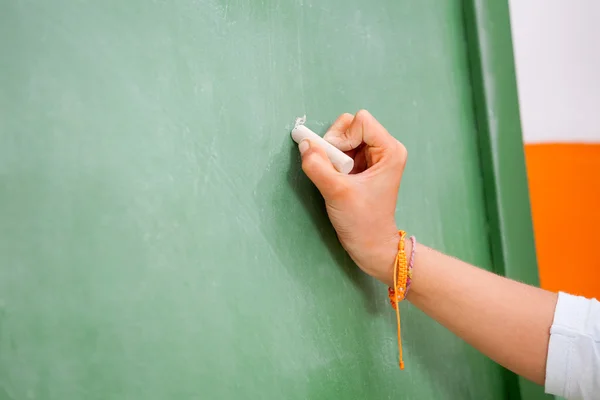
x=506 y=320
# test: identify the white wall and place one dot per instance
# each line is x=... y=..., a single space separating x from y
x=557 y=55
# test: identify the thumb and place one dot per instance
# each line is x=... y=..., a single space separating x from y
x=318 y=168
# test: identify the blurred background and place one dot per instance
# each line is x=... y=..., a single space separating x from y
x=557 y=55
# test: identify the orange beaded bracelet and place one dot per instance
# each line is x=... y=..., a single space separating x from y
x=398 y=292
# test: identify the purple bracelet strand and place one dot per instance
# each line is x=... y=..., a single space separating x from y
x=411 y=263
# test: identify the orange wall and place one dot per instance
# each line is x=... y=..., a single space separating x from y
x=557 y=62
x=564 y=182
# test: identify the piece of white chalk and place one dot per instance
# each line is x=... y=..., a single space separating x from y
x=338 y=158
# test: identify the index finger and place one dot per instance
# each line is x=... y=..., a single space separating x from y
x=348 y=132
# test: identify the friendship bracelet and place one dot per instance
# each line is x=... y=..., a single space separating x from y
x=402 y=281
x=411 y=263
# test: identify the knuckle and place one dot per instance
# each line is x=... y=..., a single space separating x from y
x=400 y=153
x=363 y=115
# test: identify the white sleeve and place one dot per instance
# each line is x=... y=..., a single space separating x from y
x=573 y=366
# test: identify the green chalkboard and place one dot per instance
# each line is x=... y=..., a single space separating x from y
x=158 y=239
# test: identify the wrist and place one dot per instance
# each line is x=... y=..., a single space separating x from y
x=385 y=258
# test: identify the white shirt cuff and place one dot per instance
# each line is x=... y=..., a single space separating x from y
x=574 y=348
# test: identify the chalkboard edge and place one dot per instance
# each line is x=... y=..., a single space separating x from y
x=502 y=157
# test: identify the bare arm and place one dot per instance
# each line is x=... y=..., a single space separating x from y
x=506 y=320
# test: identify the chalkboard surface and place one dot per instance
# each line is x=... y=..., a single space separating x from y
x=158 y=238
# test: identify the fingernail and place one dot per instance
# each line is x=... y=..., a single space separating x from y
x=303 y=146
